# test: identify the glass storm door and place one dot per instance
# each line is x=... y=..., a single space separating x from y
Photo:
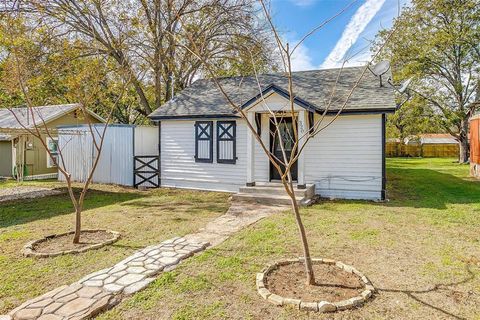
x=285 y=133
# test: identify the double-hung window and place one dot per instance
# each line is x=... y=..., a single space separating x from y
x=52 y=144
x=226 y=142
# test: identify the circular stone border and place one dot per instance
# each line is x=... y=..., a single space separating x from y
x=321 y=306
x=29 y=251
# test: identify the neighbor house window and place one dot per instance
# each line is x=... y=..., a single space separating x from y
x=52 y=144
x=226 y=141
x=204 y=141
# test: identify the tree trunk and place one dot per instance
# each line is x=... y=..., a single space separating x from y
x=464 y=151
x=463 y=139
x=78 y=225
x=303 y=237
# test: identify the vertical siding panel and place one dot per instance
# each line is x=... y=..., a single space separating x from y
x=116 y=159
x=146 y=141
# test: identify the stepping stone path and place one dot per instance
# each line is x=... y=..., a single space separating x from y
x=101 y=290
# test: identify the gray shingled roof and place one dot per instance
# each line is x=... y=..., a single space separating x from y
x=44 y=113
x=203 y=98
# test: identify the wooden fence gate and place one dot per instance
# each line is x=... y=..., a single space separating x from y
x=146 y=171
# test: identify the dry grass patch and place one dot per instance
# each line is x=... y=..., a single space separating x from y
x=142 y=218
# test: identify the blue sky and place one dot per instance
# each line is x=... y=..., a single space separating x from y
x=348 y=35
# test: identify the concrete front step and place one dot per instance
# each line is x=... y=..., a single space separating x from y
x=274 y=194
x=278 y=189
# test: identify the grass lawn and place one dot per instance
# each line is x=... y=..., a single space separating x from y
x=143 y=218
x=421 y=250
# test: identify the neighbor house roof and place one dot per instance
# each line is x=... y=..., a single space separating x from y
x=313 y=90
x=14 y=118
x=5 y=137
x=437 y=138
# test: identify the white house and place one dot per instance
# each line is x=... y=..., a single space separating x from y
x=204 y=144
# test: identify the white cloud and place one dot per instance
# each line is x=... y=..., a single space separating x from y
x=359 y=59
x=301 y=59
x=354 y=28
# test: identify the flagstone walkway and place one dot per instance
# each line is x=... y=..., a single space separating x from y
x=104 y=289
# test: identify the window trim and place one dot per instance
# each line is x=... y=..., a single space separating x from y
x=50 y=162
x=210 y=138
x=233 y=139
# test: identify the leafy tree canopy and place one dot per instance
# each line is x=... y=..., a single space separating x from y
x=438 y=44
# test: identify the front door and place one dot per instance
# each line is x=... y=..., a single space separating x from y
x=285 y=133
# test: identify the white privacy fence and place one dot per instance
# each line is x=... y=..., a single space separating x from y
x=116 y=163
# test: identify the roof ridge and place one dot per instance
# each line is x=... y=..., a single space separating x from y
x=46 y=106
x=279 y=73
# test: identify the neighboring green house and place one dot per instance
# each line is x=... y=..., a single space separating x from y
x=21 y=152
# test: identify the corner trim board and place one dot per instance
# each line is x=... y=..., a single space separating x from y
x=159 y=153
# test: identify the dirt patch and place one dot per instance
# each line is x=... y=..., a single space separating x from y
x=332 y=283
x=16 y=193
x=59 y=244
x=65 y=242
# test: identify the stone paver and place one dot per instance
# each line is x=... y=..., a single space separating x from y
x=103 y=289
x=239 y=216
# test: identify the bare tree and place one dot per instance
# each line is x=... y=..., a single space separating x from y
x=140 y=36
x=39 y=129
x=298 y=139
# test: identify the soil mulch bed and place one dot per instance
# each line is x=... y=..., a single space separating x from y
x=332 y=283
x=65 y=242
x=59 y=244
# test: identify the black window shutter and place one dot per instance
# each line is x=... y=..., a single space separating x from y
x=204 y=141
x=226 y=142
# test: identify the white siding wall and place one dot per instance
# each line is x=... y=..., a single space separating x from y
x=178 y=166
x=345 y=159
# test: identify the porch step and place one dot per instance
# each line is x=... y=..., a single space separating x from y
x=274 y=194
